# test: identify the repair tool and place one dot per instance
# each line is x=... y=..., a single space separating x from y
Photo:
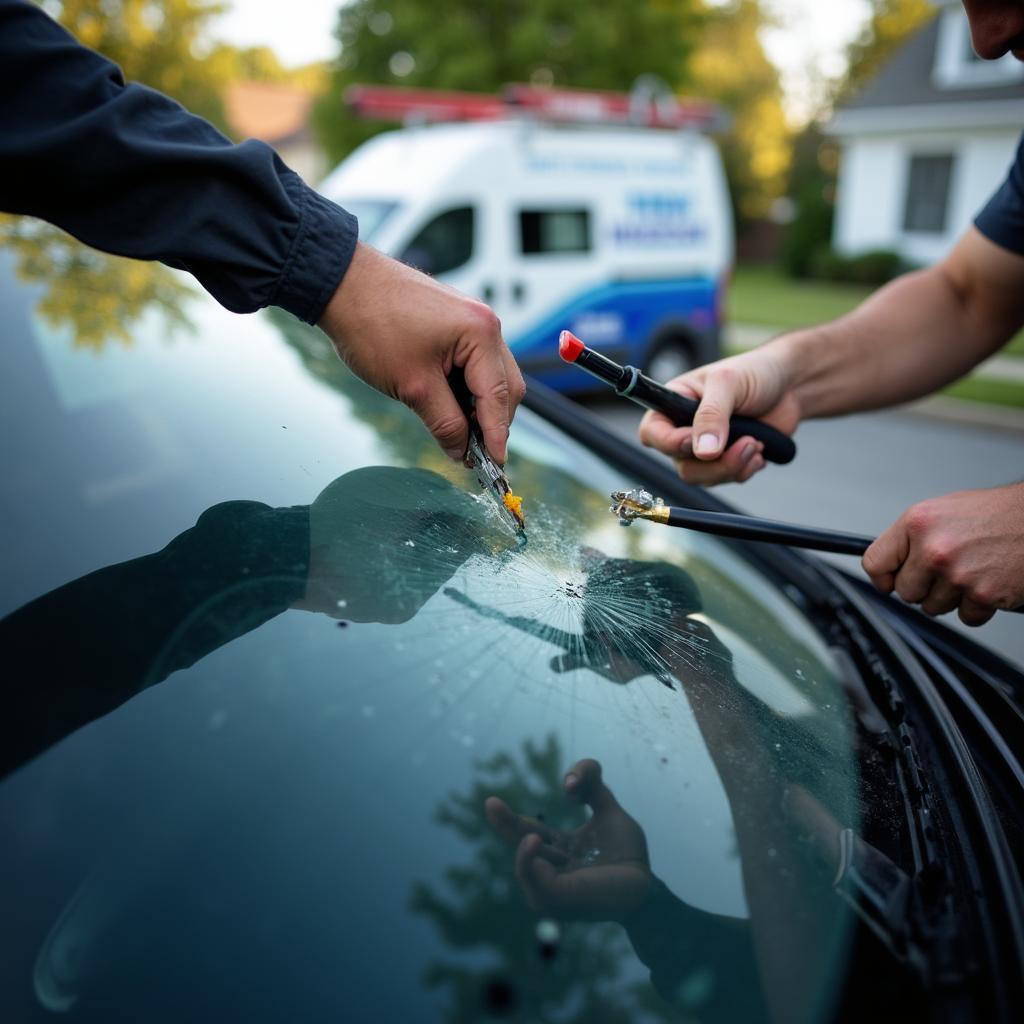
x=641 y=504
x=489 y=474
x=629 y=382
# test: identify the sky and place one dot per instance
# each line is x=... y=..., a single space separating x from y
x=808 y=41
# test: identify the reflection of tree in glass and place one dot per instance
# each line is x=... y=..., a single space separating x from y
x=579 y=978
x=97 y=296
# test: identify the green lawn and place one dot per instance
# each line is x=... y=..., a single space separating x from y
x=763 y=295
x=986 y=389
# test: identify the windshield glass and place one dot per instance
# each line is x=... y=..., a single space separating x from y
x=371 y=214
x=299 y=729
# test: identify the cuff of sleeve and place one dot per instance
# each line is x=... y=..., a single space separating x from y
x=320 y=254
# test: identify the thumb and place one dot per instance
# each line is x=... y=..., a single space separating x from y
x=433 y=401
x=883 y=558
x=711 y=422
x=583 y=782
x=486 y=377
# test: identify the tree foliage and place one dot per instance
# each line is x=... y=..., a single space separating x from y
x=729 y=65
x=481 y=46
x=101 y=297
x=156 y=42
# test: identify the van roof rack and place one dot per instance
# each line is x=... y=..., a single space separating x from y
x=645 y=106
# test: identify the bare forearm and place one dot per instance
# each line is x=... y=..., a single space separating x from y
x=910 y=338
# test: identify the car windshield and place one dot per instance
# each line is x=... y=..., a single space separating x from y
x=292 y=712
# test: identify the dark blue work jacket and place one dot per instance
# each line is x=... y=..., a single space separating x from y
x=127 y=170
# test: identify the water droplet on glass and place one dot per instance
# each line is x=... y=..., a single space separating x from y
x=591 y=856
x=342 y=604
x=410 y=543
x=548 y=930
x=217 y=719
x=369 y=711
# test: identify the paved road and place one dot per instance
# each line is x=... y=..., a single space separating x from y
x=859 y=473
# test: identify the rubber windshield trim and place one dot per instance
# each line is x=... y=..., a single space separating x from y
x=1001 y=868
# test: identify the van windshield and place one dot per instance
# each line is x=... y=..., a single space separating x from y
x=371 y=214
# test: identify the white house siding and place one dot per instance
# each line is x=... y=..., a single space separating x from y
x=873 y=179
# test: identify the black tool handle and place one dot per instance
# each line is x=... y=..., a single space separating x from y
x=727 y=524
x=778 y=447
x=460 y=389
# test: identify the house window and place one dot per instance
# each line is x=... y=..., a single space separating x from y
x=444 y=243
x=927 y=198
x=557 y=231
x=957 y=66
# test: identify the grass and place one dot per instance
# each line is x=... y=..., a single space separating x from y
x=986 y=389
x=764 y=296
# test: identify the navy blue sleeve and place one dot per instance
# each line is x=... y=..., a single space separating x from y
x=127 y=170
x=1002 y=219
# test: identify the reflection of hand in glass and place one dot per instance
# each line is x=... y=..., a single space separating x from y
x=374 y=547
x=598 y=872
x=383 y=541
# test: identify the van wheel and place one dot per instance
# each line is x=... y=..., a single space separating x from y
x=669 y=359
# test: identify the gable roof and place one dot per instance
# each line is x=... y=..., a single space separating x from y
x=907 y=79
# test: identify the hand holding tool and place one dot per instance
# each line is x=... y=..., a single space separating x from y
x=629 y=382
x=641 y=504
x=489 y=474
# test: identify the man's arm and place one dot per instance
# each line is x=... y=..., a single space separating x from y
x=129 y=171
x=913 y=336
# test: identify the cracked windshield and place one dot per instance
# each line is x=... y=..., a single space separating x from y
x=302 y=723
x=306 y=722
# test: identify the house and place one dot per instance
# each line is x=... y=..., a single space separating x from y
x=277 y=113
x=926 y=143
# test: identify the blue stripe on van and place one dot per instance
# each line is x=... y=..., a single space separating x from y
x=619 y=319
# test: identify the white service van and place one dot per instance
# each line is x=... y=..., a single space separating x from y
x=621 y=234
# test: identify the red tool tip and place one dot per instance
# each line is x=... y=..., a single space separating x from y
x=569 y=346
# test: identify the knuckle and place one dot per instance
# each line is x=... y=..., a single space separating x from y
x=483 y=318
x=446 y=428
x=919 y=519
x=938 y=554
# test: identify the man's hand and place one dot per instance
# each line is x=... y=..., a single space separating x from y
x=403 y=332
x=756 y=384
x=599 y=872
x=965 y=551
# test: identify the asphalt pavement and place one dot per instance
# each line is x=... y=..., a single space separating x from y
x=859 y=473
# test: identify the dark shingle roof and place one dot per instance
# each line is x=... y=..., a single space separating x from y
x=907 y=79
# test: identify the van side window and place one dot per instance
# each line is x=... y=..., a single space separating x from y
x=554 y=231
x=443 y=243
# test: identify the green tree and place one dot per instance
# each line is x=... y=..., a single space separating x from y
x=481 y=46
x=100 y=296
x=480 y=911
x=156 y=42
x=891 y=22
x=729 y=65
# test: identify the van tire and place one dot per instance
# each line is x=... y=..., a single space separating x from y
x=669 y=358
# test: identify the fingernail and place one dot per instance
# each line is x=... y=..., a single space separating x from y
x=758 y=464
x=454 y=454
x=707 y=443
x=686 y=448
x=571 y=780
x=748 y=452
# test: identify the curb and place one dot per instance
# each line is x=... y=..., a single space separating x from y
x=970 y=414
